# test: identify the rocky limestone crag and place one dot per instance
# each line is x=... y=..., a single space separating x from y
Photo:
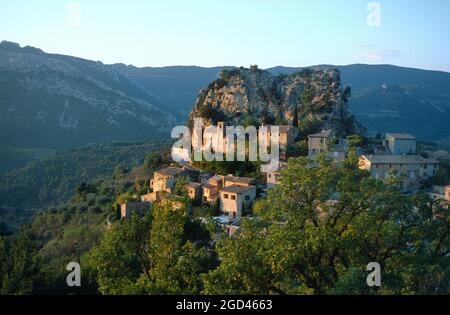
x=242 y=94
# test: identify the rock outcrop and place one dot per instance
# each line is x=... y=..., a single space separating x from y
x=241 y=95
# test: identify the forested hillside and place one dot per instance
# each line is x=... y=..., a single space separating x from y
x=287 y=247
x=54 y=180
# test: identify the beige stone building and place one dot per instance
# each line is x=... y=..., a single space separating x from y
x=210 y=193
x=447 y=193
x=151 y=197
x=318 y=142
x=211 y=189
x=195 y=191
x=165 y=179
x=230 y=180
x=401 y=143
x=234 y=199
x=287 y=136
x=128 y=208
x=413 y=167
x=272 y=178
x=216 y=180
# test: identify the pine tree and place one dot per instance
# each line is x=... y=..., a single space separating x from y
x=295 y=118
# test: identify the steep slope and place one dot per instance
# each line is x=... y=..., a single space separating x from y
x=54 y=101
x=54 y=180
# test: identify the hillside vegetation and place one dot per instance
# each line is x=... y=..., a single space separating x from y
x=287 y=247
x=54 y=180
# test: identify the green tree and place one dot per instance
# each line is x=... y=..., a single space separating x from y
x=250 y=121
x=180 y=188
x=164 y=253
x=119 y=171
x=243 y=268
x=176 y=263
x=295 y=117
x=320 y=228
x=122 y=256
x=22 y=264
x=355 y=140
x=4 y=251
x=153 y=160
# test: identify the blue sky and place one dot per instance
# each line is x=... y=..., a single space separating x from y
x=412 y=33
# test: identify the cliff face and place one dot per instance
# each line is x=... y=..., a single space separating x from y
x=254 y=95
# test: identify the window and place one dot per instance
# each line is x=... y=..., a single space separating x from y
x=233 y=197
x=247 y=198
x=225 y=196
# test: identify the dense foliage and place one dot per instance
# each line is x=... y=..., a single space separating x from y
x=314 y=234
x=318 y=230
x=53 y=180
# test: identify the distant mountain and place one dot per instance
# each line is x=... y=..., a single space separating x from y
x=176 y=87
x=390 y=98
x=50 y=102
x=422 y=107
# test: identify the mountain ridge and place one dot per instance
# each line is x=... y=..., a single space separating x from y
x=40 y=112
x=53 y=102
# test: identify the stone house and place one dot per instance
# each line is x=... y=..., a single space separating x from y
x=272 y=178
x=151 y=197
x=413 y=167
x=195 y=192
x=165 y=179
x=234 y=199
x=230 y=180
x=211 y=189
x=128 y=208
x=210 y=193
x=401 y=143
x=287 y=136
x=318 y=142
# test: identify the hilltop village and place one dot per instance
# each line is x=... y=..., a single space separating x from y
x=232 y=196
